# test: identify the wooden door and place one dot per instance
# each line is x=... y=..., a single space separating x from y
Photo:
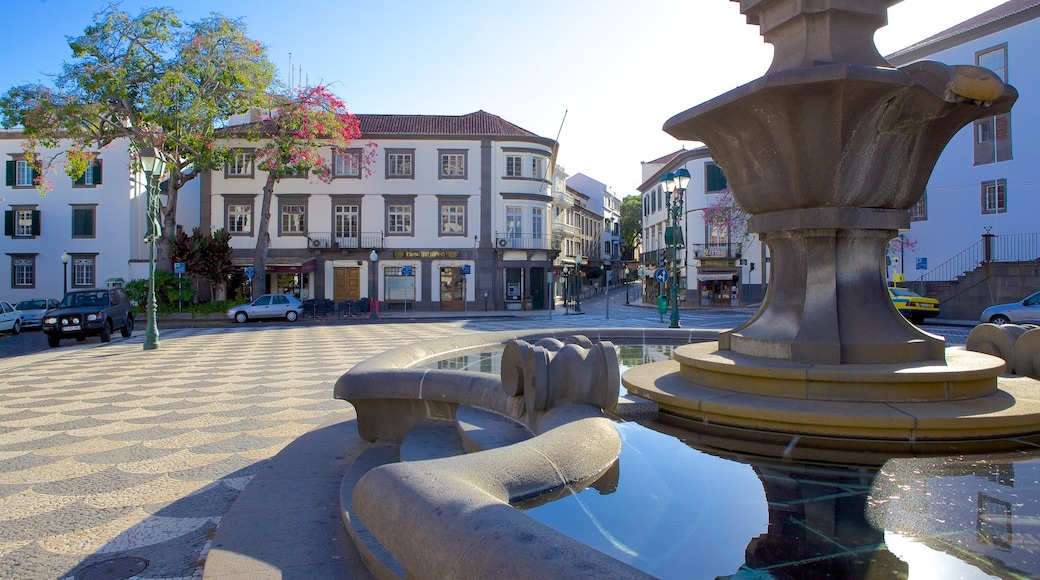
x=346 y=284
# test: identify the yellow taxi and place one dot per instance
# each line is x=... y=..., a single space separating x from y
x=914 y=307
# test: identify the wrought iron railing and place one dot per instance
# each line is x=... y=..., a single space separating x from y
x=504 y=241
x=991 y=248
x=364 y=241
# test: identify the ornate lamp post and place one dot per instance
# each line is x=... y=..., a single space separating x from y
x=373 y=288
x=675 y=185
x=65 y=257
x=152 y=165
x=606 y=280
x=577 y=280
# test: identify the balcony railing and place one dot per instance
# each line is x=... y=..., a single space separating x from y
x=364 y=241
x=525 y=242
x=565 y=229
x=716 y=251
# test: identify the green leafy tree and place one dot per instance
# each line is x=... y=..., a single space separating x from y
x=152 y=80
x=299 y=128
x=632 y=220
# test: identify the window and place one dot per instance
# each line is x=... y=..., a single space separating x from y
x=995 y=59
x=453 y=216
x=714 y=179
x=83 y=221
x=22 y=221
x=240 y=164
x=91 y=177
x=537 y=222
x=21 y=173
x=399 y=163
x=347 y=163
x=83 y=268
x=239 y=218
x=994 y=196
x=399 y=218
x=292 y=220
x=919 y=212
x=514 y=224
x=993 y=134
x=537 y=168
x=346 y=217
x=453 y=164
x=23 y=271
x=514 y=166
x=239 y=212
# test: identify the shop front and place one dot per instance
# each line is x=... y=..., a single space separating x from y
x=719 y=288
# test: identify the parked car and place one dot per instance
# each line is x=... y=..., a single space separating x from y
x=95 y=312
x=1026 y=311
x=10 y=319
x=913 y=306
x=268 y=306
x=33 y=310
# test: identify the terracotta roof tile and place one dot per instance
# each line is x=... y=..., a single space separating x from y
x=479 y=123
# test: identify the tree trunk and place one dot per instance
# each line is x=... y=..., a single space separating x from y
x=164 y=251
x=263 y=241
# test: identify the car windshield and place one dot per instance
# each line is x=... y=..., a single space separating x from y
x=85 y=299
x=31 y=305
x=902 y=292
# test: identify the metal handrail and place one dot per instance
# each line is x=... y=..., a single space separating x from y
x=991 y=248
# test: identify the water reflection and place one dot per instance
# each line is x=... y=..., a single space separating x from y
x=677 y=508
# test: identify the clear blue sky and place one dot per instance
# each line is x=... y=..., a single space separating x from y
x=619 y=69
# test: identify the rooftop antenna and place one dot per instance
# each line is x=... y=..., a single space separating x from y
x=290 y=70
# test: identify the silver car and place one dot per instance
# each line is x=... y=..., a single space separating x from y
x=10 y=319
x=284 y=306
x=1027 y=311
x=32 y=310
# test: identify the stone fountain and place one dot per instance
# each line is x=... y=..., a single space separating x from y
x=827 y=152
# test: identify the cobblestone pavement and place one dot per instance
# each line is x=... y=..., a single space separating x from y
x=116 y=461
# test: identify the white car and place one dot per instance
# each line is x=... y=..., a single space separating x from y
x=10 y=319
x=1026 y=311
x=284 y=306
x=32 y=310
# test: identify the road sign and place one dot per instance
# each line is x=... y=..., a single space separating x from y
x=661 y=275
x=180 y=268
x=249 y=272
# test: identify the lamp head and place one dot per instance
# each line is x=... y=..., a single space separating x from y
x=373 y=256
x=668 y=182
x=65 y=257
x=681 y=178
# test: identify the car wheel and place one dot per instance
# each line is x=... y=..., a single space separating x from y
x=291 y=315
x=241 y=317
x=106 y=331
x=53 y=340
x=17 y=327
x=1000 y=319
x=80 y=338
x=128 y=328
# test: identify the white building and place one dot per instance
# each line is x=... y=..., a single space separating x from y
x=98 y=222
x=718 y=265
x=455 y=209
x=603 y=202
x=987 y=179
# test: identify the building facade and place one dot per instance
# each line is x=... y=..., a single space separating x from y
x=452 y=214
x=603 y=202
x=719 y=265
x=81 y=234
x=986 y=182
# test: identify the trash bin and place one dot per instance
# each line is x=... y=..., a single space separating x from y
x=662 y=304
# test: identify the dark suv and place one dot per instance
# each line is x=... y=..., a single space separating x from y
x=84 y=313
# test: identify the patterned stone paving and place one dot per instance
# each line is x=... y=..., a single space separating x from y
x=108 y=451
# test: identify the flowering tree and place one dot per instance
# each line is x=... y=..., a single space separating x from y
x=150 y=79
x=299 y=128
x=725 y=214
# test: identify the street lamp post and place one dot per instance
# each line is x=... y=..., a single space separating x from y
x=153 y=166
x=65 y=257
x=577 y=283
x=606 y=280
x=373 y=285
x=675 y=185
